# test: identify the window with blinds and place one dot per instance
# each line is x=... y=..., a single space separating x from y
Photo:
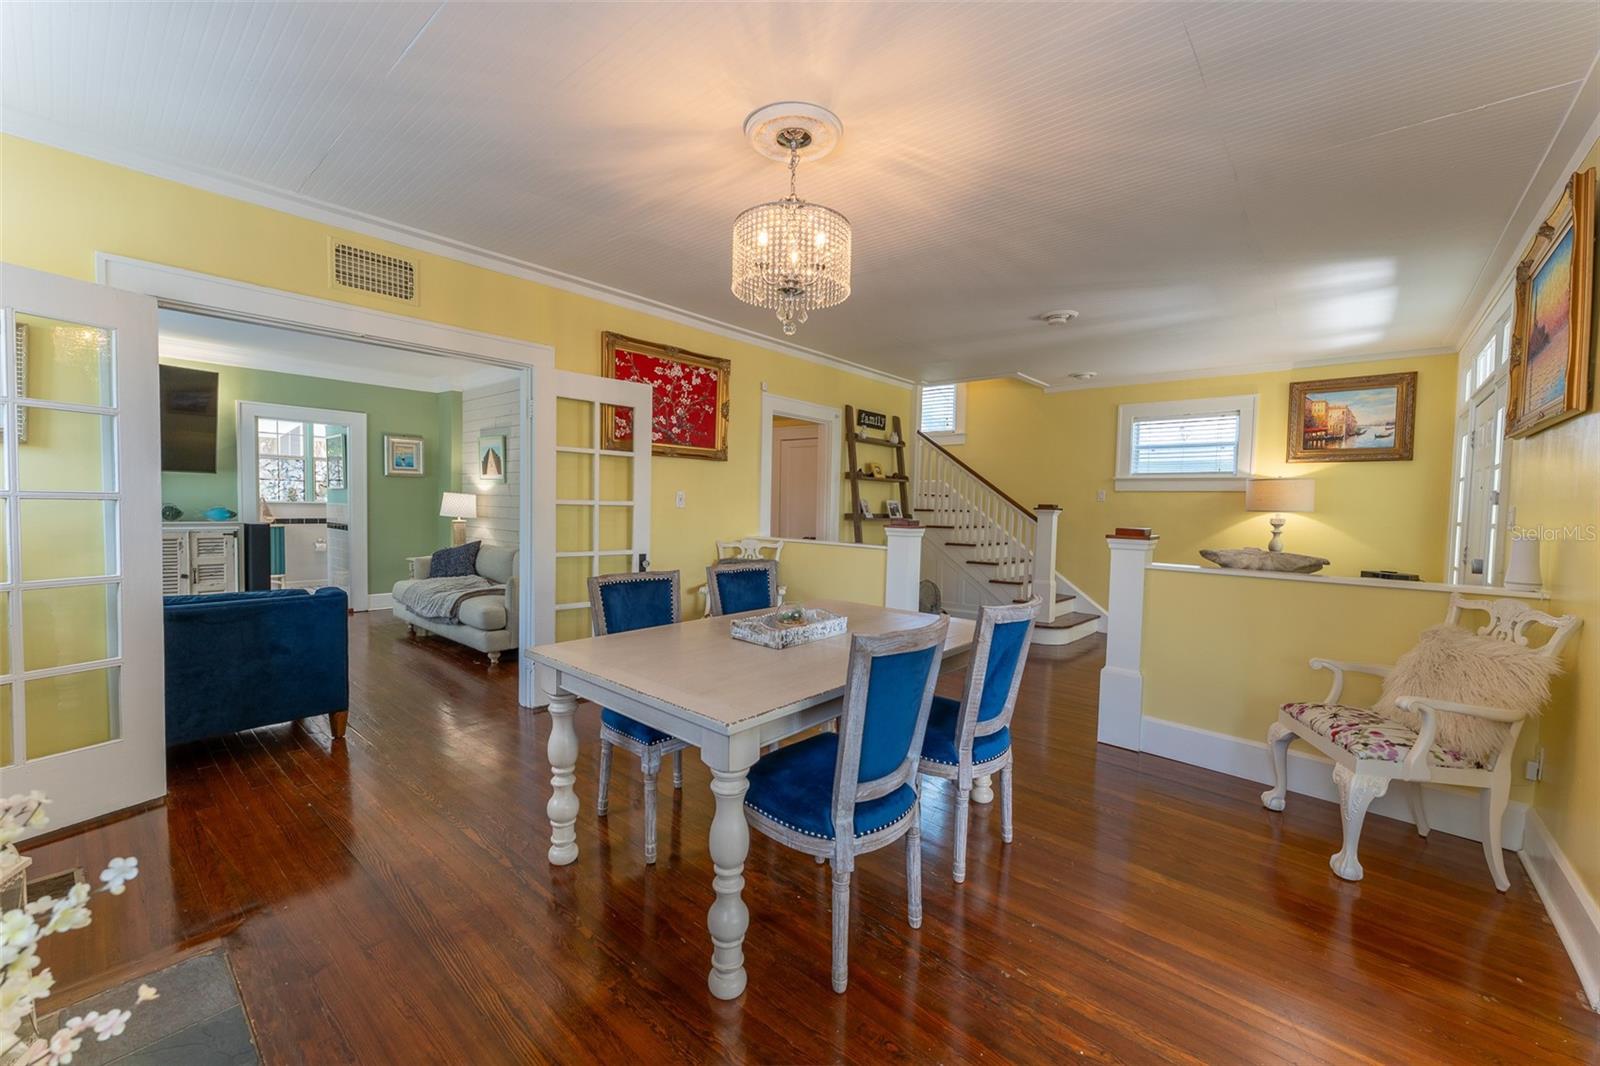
x=1190 y=444
x=1199 y=445
x=941 y=409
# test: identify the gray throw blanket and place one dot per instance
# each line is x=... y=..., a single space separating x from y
x=440 y=598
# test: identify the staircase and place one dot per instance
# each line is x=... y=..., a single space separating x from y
x=983 y=547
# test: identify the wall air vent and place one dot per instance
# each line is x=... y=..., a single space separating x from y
x=376 y=272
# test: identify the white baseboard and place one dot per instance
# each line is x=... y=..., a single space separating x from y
x=1450 y=810
x=380 y=601
x=1572 y=909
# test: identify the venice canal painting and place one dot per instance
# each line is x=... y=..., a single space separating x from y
x=1550 y=334
x=1350 y=418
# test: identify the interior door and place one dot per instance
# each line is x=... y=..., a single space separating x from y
x=597 y=489
x=82 y=714
x=1481 y=553
x=796 y=485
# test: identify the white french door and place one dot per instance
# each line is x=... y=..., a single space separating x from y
x=82 y=714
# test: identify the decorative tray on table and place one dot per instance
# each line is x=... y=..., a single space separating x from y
x=788 y=626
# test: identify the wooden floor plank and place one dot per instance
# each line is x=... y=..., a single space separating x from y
x=386 y=899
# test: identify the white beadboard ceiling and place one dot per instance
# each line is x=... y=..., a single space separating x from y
x=1210 y=185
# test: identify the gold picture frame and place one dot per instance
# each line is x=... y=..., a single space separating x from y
x=690 y=406
x=1550 y=341
x=1353 y=420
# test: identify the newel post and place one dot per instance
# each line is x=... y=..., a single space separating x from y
x=902 y=578
x=1121 y=683
x=1048 y=516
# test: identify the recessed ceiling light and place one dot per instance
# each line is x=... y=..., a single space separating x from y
x=1057 y=318
x=1083 y=375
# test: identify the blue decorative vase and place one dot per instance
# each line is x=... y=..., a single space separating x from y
x=219 y=514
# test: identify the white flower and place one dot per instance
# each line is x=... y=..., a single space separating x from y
x=70 y=913
x=111 y=1024
x=18 y=933
x=62 y=1045
x=146 y=994
x=119 y=873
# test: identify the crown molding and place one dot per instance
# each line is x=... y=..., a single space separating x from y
x=1582 y=120
x=31 y=128
x=1246 y=369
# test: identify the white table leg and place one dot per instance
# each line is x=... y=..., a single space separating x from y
x=563 y=805
x=983 y=788
x=728 y=918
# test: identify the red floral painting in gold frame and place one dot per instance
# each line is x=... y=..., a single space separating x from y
x=689 y=415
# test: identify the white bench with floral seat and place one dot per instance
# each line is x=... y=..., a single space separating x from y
x=1370 y=749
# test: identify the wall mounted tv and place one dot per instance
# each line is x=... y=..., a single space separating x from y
x=188 y=420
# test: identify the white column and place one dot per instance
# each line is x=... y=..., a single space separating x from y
x=902 y=578
x=1121 y=683
x=1044 y=559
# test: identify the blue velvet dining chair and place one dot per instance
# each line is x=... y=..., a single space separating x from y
x=619 y=603
x=862 y=778
x=973 y=737
x=744 y=585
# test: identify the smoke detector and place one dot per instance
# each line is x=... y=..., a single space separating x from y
x=1057 y=318
x=1083 y=375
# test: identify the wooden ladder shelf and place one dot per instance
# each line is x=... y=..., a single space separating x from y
x=853 y=437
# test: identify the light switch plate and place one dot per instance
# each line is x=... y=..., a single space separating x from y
x=680 y=499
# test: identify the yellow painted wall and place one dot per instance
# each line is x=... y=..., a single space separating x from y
x=1062 y=447
x=812 y=570
x=1222 y=653
x=58 y=209
x=1555 y=486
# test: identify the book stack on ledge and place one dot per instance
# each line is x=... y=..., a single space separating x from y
x=1132 y=533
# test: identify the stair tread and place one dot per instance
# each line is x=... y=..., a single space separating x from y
x=1061 y=597
x=1003 y=581
x=1067 y=621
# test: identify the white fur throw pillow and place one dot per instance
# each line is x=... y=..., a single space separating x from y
x=1455 y=664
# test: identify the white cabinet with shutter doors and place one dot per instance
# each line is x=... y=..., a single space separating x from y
x=199 y=557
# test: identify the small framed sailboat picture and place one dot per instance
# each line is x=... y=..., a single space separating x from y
x=492 y=457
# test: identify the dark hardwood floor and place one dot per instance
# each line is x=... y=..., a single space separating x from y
x=386 y=899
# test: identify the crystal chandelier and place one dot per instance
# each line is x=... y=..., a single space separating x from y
x=789 y=255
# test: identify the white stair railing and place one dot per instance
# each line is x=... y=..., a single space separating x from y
x=998 y=533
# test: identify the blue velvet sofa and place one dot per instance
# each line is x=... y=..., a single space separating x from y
x=245 y=659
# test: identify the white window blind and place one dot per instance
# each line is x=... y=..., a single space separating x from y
x=939 y=409
x=1188 y=444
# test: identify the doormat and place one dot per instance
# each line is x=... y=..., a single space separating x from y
x=198 y=1021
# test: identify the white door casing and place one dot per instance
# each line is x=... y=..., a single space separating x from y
x=129 y=768
x=831 y=419
x=224 y=297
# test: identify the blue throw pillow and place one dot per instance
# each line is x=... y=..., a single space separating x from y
x=455 y=562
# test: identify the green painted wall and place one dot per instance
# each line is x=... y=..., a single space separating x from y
x=402 y=513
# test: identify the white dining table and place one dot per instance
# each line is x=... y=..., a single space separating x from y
x=727 y=697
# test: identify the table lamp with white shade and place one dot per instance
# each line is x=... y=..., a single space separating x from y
x=458 y=506
x=1280 y=495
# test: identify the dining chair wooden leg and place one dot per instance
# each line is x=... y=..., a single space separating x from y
x=1005 y=803
x=841 y=926
x=677 y=768
x=914 y=868
x=963 y=798
x=603 y=800
x=651 y=765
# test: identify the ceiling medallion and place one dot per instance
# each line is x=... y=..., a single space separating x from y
x=791 y=256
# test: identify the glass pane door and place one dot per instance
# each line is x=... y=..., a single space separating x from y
x=65 y=586
x=596 y=510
